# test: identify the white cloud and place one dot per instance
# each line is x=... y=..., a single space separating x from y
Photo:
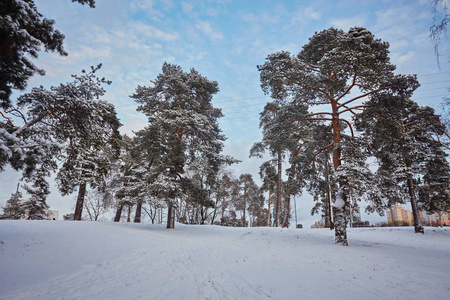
x=187 y=7
x=148 y=7
x=404 y=58
x=153 y=32
x=305 y=15
x=258 y=21
x=206 y=28
x=347 y=23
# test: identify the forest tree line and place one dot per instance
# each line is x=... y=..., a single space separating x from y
x=341 y=118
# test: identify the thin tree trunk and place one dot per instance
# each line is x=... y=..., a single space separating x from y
x=278 y=200
x=129 y=214
x=415 y=210
x=287 y=211
x=245 y=203
x=330 y=210
x=215 y=208
x=118 y=212
x=287 y=208
x=269 y=221
x=80 y=202
x=137 y=215
x=223 y=212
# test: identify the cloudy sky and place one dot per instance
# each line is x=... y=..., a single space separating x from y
x=224 y=40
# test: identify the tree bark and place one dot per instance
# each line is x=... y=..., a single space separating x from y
x=287 y=211
x=245 y=203
x=340 y=224
x=223 y=212
x=80 y=202
x=330 y=210
x=137 y=215
x=170 y=218
x=415 y=210
x=340 y=229
x=269 y=221
x=278 y=200
x=118 y=212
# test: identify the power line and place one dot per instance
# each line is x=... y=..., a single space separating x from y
x=434 y=82
x=260 y=97
x=431 y=74
x=433 y=89
x=419 y=98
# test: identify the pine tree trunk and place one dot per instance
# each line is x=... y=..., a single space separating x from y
x=415 y=210
x=129 y=214
x=215 y=209
x=287 y=211
x=340 y=226
x=287 y=208
x=80 y=202
x=223 y=212
x=269 y=221
x=118 y=212
x=278 y=200
x=170 y=218
x=245 y=203
x=330 y=210
x=137 y=215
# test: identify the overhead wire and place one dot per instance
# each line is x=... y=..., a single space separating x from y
x=252 y=112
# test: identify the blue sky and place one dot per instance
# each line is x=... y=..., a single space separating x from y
x=223 y=40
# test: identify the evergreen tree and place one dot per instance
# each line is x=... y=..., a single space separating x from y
x=268 y=175
x=65 y=123
x=23 y=33
x=13 y=209
x=179 y=109
x=222 y=193
x=404 y=139
x=275 y=142
x=329 y=67
x=248 y=198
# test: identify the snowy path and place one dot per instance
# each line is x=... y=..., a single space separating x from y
x=137 y=261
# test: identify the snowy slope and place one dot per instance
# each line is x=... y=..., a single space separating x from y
x=87 y=260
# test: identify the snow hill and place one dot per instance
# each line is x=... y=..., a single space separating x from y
x=93 y=260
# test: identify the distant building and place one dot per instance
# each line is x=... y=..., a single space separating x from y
x=445 y=218
x=319 y=224
x=53 y=215
x=398 y=216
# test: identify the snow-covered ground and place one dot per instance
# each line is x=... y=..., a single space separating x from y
x=93 y=260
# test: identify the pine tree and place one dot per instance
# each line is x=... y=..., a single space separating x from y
x=179 y=109
x=268 y=175
x=89 y=128
x=330 y=66
x=23 y=33
x=404 y=139
x=434 y=193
